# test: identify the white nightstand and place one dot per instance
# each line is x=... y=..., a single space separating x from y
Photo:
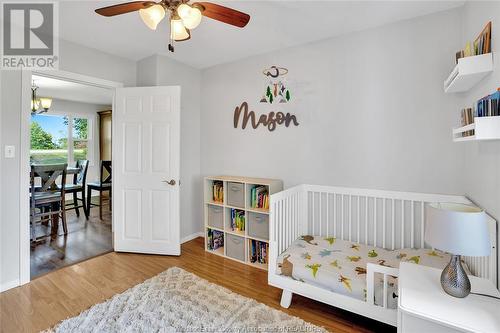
x=423 y=306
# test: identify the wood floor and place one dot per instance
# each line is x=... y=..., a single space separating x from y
x=70 y=290
x=85 y=239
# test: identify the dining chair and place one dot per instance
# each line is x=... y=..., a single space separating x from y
x=79 y=186
x=104 y=184
x=47 y=200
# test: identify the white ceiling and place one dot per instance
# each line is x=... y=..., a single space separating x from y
x=48 y=87
x=273 y=25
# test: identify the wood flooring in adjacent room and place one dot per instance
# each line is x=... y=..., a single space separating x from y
x=85 y=239
x=70 y=290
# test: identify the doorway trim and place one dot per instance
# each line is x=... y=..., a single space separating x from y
x=24 y=178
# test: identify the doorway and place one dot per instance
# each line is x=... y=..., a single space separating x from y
x=67 y=91
x=145 y=157
x=70 y=124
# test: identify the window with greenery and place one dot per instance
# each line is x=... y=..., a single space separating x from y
x=59 y=139
x=80 y=138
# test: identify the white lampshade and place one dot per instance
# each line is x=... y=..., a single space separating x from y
x=45 y=102
x=177 y=30
x=151 y=16
x=457 y=229
x=191 y=16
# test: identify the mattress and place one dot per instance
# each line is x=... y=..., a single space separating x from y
x=340 y=266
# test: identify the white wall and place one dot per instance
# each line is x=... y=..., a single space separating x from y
x=482 y=159
x=371 y=109
x=163 y=71
x=73 y=58
x=9 y=223
x=64 y=107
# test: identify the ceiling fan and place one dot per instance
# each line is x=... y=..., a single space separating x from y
x=183 y=16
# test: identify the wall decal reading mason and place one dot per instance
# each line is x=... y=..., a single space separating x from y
x=270 y=120
x=29 y=35
x=276 y=90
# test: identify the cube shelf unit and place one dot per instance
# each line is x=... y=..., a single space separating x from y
x=250 y=228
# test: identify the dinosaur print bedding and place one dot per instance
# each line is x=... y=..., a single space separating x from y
x=340 y=266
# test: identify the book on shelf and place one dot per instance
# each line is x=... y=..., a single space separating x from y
x=237 y=219
x=467 y=119
x=258 y=252
x=259 y=197
x=218 y=191
x=481 y=45
x=215 y=239
x=488 y=106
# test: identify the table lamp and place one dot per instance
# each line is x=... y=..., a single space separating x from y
x=460 y=230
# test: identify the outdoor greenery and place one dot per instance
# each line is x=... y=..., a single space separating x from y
x=40 y=139
x=46 y=150
x=79 y=127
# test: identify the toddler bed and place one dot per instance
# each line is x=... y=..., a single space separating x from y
x=343 y=246
x=340 y=266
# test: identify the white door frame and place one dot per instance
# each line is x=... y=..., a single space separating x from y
x=24 y=149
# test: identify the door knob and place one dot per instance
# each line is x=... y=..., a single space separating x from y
x=169 y=182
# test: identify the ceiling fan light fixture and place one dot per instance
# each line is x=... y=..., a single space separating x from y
x=190 y=15
x=178 y=31
x=153 y=15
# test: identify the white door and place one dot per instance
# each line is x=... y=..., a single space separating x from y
x=146 y=157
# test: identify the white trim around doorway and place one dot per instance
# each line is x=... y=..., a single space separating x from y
x=24 y=223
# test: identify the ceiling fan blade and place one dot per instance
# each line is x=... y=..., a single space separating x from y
x=224 y=14
x=124 y=8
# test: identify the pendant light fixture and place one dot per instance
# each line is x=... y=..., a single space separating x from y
x=39 y=105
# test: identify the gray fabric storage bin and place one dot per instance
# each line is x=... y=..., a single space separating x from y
x=258 y=225
x=215 y=216
x=235 y=247
x=236 y=194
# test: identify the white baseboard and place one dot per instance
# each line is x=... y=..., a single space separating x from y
x=9 y=285
x=191 y=237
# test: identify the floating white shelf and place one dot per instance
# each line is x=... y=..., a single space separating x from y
x=468 y=72
x=485 y=128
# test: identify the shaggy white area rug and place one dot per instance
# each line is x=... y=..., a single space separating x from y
x=178 y=301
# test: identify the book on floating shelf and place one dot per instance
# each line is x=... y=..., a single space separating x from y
x=467 y=119
x=481 y=45
x=260 y=197
x=215 y=239
x=218 y=191
x=473 y=63
x=482 y=121
x=258 y=252
x=489 y=106
x=237 y=219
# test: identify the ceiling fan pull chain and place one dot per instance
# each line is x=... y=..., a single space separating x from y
x=171 y=44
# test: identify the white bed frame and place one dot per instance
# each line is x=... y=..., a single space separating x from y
x=386 y=219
